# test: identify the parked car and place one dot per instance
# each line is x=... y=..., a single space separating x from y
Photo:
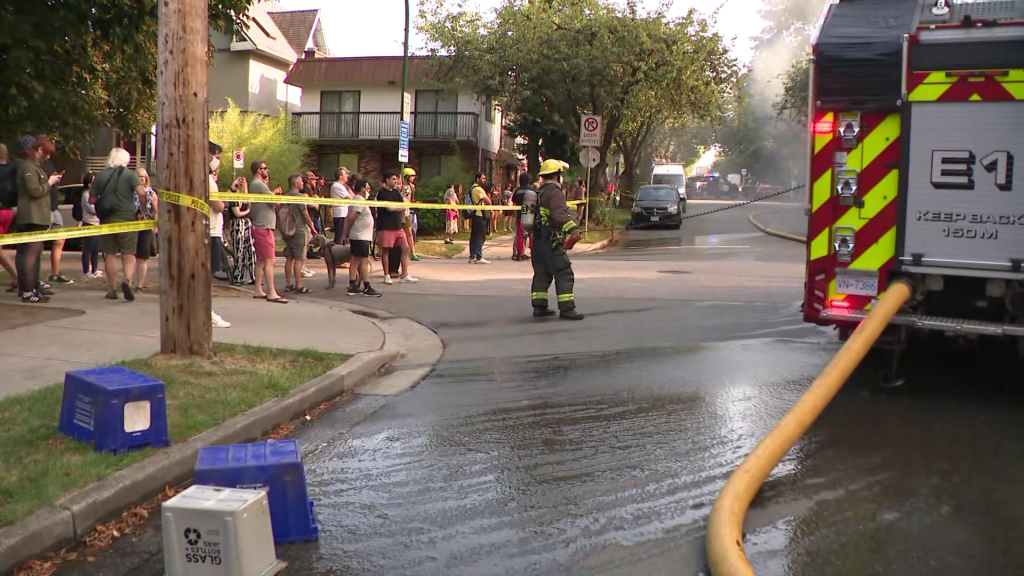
x=658 y=205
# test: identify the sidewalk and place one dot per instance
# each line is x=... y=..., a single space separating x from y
x=500 y=247
x=789 y=223
x=80 y=329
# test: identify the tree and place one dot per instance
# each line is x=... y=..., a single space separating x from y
x=555 y=60
x=267 y=138
x=72 y=65
x=792 y=104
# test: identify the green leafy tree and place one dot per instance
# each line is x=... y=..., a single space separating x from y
x=69 y=66
x=553 y=61
x=267 y=138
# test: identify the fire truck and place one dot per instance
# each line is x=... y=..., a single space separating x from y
x=917 y=120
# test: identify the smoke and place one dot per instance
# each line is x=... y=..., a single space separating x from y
x=784 y=39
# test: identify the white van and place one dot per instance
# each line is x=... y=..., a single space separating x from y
x=671 y=175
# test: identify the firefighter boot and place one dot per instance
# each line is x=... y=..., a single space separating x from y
x=573 y=314
x=539 y=312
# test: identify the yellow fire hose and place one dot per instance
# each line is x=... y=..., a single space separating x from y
x=725 y=525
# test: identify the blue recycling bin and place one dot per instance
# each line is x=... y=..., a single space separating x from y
x=274 y=466
x=114 y=409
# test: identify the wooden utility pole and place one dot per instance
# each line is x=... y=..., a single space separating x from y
x=182 y=159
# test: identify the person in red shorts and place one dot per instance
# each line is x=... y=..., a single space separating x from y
x=390 y=226
x=264 y=221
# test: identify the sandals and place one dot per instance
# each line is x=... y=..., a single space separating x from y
x=303 y=290
x=289 y=288
x=277 y=300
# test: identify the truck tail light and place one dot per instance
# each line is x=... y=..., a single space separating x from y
x=823 y=127
x=846 y=185
x=838 y=303
x=843 y=242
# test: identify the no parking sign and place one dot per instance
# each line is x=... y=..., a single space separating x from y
x=239 y=159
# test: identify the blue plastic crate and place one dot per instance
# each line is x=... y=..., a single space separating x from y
x=114 y=409
x=272 y=466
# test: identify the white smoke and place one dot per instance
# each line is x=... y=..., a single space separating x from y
x=784 y=39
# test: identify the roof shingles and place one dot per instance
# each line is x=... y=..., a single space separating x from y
x=296 y=26
x=358 y=70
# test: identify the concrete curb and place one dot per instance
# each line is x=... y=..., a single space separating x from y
x=72 y=518
x=776 y=233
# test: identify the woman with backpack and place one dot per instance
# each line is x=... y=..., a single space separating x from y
x=86 y=214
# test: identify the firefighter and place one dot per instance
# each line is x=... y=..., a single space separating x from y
x=550 y=260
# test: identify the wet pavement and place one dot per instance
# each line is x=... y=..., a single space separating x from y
x=598 y=447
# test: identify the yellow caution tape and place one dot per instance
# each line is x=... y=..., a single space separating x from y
x=184 y=200
x=197 y=204
x=281 y=199
x=80 y=232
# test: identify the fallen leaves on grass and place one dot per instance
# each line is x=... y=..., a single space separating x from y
x=100 y=538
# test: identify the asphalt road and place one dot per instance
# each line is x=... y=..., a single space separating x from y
x=598 y=447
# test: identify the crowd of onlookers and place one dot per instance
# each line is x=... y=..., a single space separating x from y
x=243 y=235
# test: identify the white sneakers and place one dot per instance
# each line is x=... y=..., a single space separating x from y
x=219 y=322
x=407 y=279
x=307 y=273
x=483 y=261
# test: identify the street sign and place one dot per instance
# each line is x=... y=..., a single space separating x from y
x=590 y=157
x=743 y=172
x=590 y=131
x=239 y=158
x=406 y=107
x=403 y=141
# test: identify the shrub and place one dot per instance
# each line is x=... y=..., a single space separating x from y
x=432 y=190
x=267 y=138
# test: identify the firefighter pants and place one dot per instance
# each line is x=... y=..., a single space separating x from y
x=550 y=262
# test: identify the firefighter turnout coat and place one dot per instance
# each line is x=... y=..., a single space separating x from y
x=550 y=260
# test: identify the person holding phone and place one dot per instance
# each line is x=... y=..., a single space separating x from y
x=33 y=215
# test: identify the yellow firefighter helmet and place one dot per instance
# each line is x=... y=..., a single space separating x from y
x=552 y=166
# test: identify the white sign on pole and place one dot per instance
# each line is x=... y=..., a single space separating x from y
x=590 y=131
x=239 y=159
x=590 y=157
x=406 y=107
x=744 y=171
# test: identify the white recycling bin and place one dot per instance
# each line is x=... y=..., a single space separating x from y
x=209 y=531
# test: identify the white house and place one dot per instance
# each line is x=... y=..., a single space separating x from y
x=351 y=111
x=250 y=66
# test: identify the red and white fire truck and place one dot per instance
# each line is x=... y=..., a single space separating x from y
x=917 y=119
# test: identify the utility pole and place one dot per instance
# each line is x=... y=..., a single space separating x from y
x=405 y=68
x=182 y=142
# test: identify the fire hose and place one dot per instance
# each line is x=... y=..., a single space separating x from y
x=726 y=556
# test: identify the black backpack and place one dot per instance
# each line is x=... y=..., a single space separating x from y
x=8 y=186
x=104 y=202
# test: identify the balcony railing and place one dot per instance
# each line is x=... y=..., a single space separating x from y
x=385 y=125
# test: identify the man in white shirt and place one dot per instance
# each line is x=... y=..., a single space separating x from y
x=341 y=191
x=358 y=233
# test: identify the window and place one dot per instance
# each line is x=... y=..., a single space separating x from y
x=433 y=165
x=330 y=162
x=488 y=169
x=436 y=114
x=339 y=114
x=489 y=111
